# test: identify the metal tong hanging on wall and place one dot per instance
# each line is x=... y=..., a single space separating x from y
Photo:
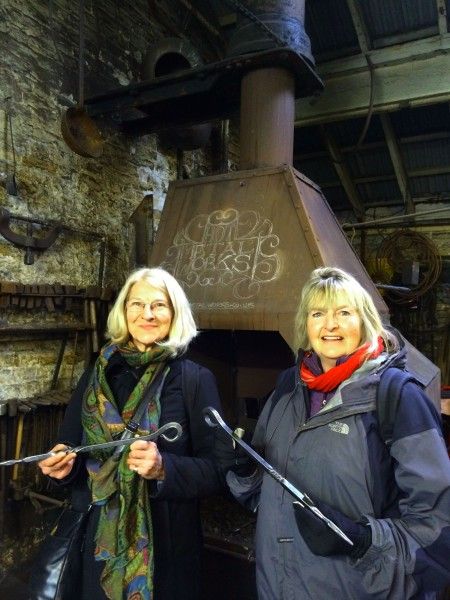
x=162 y=431
x=213 y=419
x=11 y=184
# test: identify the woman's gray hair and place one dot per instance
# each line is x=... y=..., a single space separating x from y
x=322 y=289
x=182 y=329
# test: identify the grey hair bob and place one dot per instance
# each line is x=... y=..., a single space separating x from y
x=182 y=329
x=322 y=289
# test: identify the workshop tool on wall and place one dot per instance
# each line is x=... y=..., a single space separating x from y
x=79 y=131
x=411 y=258
x=72 y=370
x=93 y=292
x=162 y=431
x=213 y=419
x=93 y=315
x=59 y=359
x=4 y=450
x=19 y=436
x=35 y=426
x=29 y=242
x=56 y=297
x=11 y=184
x=142 y=219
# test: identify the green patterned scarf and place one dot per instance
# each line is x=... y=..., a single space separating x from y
x=124 y=538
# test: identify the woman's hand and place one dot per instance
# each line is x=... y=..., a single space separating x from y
x=145 y=459
x=58 y=466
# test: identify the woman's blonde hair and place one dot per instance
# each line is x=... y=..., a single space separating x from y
x=322 y=289
x=182 y=329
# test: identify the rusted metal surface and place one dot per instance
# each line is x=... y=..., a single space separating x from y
x=28 y=241
x=81 y=133
x=142 y=219
x=267 y=118
x=262 y=24
x=242 y=244
x=196 y=95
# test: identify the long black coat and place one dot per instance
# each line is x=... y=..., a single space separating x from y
x=190 y=474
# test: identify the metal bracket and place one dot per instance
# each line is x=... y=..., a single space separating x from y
x=29 y=242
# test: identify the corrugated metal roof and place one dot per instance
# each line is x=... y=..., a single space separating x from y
x=370 y=162
x=337 y=198
x=437 y=184
x=329 y=26
x=424 y=119
x=380 y=192
x=348 y=133
x=429 y=153
x=422 y=134
x=318 y=169
x=389 y=17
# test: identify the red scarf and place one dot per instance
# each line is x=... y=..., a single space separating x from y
x=325 y=382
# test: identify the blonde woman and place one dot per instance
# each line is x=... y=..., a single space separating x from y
x=320 y=430
x=144 y=537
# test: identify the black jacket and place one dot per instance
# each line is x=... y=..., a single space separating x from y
x=190 y=474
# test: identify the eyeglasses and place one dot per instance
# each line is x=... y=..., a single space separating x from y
x=157 y=307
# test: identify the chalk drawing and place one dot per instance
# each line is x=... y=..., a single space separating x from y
x=226 y=248
x=218 y=306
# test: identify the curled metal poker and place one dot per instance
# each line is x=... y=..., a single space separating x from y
x=213 y=419
x=162 y=431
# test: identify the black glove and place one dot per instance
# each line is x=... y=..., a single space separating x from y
x=231 y=458
x=323 y=541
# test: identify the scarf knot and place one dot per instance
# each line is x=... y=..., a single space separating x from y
x=326 y=382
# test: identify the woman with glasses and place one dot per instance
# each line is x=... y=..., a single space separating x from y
x=320 y=430
x=143 y=539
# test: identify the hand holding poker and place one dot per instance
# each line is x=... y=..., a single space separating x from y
x=323 y=541
x=58 y=466
x=230 y=456
x=145 y=458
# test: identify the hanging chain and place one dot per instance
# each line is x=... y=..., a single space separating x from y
x=250 y=15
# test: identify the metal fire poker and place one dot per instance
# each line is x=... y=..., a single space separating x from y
x=213 y=419
x=122 y=442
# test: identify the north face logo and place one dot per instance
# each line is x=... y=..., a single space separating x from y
x=339 y=427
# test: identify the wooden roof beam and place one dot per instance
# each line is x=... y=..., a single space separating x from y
x=368 y=146
x=406 y=75
x=424 y=172
x=442 y=17
x=343 y=174
x=360 y=27
x=397 y=161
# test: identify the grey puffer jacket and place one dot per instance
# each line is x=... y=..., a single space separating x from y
x=339 y=457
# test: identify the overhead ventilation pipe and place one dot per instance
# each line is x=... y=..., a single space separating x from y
x=268 y=94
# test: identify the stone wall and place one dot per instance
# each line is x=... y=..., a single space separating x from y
x=93 y=198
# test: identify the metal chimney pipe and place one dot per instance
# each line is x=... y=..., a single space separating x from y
x=267 y=118
x=268 y=94
x=284 y=18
